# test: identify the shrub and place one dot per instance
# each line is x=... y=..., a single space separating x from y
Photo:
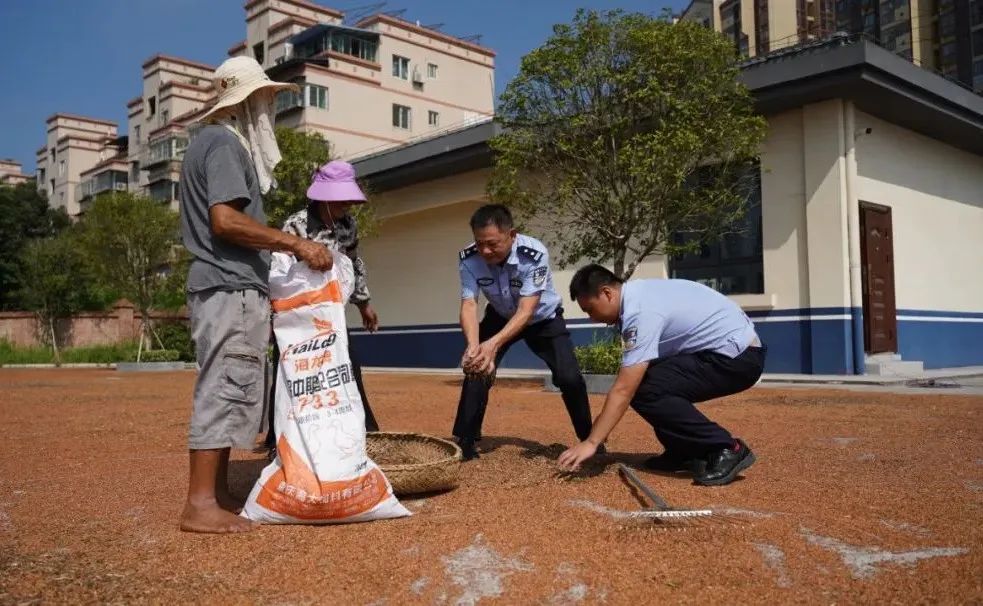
x=95 y=354
x=160 y=355
x=177 y=336
x=600 y=357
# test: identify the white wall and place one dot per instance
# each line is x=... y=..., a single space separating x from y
x=935 y=192
x=411 y=266
x=783 y=212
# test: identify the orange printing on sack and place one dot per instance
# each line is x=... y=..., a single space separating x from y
x=329 y=293
x=295 y=491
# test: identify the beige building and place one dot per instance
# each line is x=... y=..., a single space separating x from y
x=370 y=86
x=946 y=36
x=174 y=92
x=374 y=85
x=861 y=244
x=761 y=26
x=11 y=173
x=74 y=145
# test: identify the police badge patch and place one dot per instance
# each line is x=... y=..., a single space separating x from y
x=630 y=337
x=539 y=276
x=515 y=283
x=485 y=281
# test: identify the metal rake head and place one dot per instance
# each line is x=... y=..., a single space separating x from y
x=661 y=512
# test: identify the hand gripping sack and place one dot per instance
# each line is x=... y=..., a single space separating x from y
x=321 y=473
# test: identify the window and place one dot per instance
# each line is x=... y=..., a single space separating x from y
x=732 y=265
x=259 y=52
x=317 y=96
x=432 y=71
x=401 y=116
x=61 y=168
x=354 y=46
x=165 y=115
x=978 y=42
x=136 y=133
x=401 y=67
x=976 y=13
x=947 y=25
x=289 y=99
x=433 y=118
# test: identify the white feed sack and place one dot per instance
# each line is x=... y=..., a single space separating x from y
x=321 y=473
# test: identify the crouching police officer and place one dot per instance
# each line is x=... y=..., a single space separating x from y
x=683 y=343
x=512 y=271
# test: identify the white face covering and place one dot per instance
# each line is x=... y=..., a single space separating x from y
x=252 y=123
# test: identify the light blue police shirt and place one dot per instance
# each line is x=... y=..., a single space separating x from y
x=526 y=272
x=662 y=318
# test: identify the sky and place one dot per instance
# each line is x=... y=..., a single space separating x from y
x=84 y=56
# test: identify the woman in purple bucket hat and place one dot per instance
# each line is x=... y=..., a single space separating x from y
x=326 y=221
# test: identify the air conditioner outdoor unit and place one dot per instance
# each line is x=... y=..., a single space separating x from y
x=417 y=75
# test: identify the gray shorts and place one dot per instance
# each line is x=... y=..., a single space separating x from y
x=231 y=331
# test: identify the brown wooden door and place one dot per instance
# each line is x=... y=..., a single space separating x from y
x=877 y=258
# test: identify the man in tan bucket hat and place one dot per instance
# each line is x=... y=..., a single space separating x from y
x=227 y=167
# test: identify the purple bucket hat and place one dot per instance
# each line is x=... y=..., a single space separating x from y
x=335 y=182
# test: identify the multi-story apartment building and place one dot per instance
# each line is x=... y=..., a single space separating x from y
x=75 y=144
x=11 y=173
x=174 y=91
x=373 y=84
x=761 y=26
x=957 y=46
x=944 y=35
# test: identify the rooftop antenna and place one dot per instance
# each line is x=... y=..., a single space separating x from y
x=395 y=13
x=476 y=38
x=434 y=26
x=357 y=13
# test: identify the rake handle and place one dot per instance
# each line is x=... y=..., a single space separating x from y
x=632 y=477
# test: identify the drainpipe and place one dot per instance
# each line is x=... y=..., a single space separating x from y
x=853 y=236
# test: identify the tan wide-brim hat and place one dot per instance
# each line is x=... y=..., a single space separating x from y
x=239 y=77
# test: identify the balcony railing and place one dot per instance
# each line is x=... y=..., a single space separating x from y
x=165 y=150
x=113 y=180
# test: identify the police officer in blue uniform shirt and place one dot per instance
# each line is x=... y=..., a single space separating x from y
x=683 y=343
x=512 y=272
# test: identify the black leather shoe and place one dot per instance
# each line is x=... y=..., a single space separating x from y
x=724 y=465
x=468 y=451
x=671 y=463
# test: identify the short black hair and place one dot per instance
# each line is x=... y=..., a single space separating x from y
x=589 y=279
x=492 y=214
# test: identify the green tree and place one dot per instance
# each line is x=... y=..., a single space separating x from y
x=131 y=242
x=57 y=283
x=302 y=154
x=609 y=130
x=24 y=214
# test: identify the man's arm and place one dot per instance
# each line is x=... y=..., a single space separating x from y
x=232 y=225
x=469 y=325
x=484 y=360
x=615 y=405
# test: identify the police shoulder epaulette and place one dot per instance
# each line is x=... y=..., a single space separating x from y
x=469 y=251
x=530 y=253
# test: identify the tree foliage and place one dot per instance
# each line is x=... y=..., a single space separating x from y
x=24 y=215
x=56 y=283
x=622 y=131
x=303 y=153
x=131 y=242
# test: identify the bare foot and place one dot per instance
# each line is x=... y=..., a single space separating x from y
x=211 y=518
